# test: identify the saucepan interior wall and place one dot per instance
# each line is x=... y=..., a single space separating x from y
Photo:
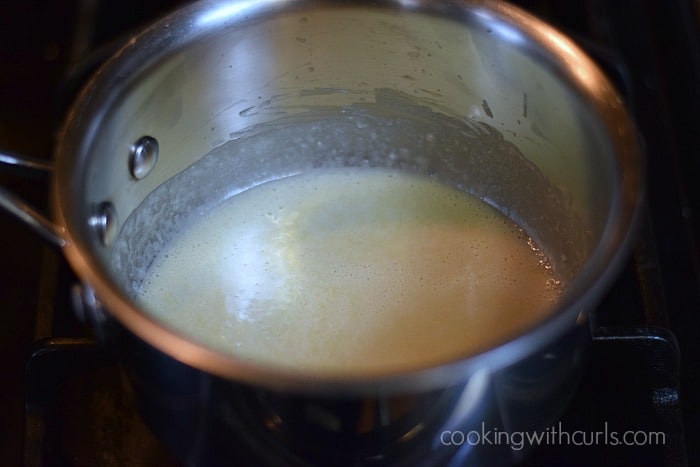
x=468 y=100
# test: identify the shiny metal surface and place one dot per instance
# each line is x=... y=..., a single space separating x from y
x=210 y=73
x=207 y=420
x=143 y=157
x=35 y=220
x=105 y=223
x=25 y=162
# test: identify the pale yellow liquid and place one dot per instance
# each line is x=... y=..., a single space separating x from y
x=351 y=271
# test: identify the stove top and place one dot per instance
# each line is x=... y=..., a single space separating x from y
x=627 y=411
x=641 y=383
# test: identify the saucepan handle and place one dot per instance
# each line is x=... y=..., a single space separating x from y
x=11 y=203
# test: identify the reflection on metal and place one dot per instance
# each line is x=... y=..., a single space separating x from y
x=105 y=223
x=32 y=218
x=143 y=157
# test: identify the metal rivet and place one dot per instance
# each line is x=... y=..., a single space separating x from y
x=143 y=157
x=105 y=222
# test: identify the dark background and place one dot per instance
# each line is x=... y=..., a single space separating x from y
x=40 y=44
x=649 y=47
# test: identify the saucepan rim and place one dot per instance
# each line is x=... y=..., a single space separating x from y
x=562 y=56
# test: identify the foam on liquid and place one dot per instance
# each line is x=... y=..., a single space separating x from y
x=350 y=271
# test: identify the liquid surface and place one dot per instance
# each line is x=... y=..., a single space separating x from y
x=350 y=271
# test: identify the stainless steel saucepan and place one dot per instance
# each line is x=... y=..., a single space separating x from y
x=222 y=95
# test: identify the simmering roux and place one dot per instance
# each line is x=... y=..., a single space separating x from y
x=350 y=271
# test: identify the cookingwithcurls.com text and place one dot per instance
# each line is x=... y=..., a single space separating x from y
x=554 y=435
